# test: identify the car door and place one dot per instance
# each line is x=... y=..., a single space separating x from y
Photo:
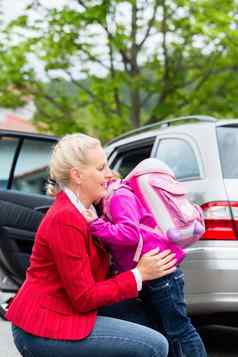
x=24 y=160
x=125 y=157
x=182 y=153
x=210 y=265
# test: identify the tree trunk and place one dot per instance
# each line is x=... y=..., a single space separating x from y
x=135 y=71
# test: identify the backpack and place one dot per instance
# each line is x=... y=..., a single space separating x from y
x=155 y=185
x=115 y=185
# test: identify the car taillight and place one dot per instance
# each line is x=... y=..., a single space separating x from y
x=221 y=220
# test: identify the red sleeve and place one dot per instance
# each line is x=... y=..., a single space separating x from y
x=68 y=246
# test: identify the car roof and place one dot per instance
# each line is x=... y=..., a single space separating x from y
x=187 y=124
x=227 y=122
x=28 y=135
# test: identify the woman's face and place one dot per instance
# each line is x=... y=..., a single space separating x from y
x=93 y=176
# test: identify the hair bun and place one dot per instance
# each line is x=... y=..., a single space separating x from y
x=51 y=181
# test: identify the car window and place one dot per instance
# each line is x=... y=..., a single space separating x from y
x=126 y=160
x=228 y=149
x=180 y=157
x=7 y=152
x=31 y=171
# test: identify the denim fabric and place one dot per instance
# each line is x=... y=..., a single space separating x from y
x=19 y=340
x=110 y=338
x=133 y=310
x=165 y=298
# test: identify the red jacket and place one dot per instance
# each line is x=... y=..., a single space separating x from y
x=66 y=281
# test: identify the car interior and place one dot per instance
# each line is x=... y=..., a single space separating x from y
x=23 y=179
x=16 y=240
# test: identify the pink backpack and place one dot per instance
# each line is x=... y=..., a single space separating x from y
x=154 y=183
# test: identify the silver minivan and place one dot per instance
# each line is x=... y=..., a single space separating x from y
x=203 y=153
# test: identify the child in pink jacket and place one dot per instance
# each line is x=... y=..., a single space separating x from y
x=130 y=230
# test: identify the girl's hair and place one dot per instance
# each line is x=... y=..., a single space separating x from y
x=70 y=151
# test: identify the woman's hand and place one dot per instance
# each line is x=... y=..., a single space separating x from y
x=154 y=265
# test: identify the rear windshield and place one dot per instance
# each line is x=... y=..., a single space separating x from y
x=228 y=149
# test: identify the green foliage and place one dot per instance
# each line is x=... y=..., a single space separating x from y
x=113 y=65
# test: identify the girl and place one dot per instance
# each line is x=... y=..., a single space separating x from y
x=130 y=231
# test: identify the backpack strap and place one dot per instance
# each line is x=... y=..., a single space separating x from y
x=138 y=249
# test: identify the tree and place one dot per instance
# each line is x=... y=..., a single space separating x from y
x=120 y=64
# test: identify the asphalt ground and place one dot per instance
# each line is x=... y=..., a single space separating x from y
x=7 y=348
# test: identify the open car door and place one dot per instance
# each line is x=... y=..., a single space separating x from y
x=24 y=160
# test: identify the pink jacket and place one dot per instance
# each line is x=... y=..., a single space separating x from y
x=126 y=226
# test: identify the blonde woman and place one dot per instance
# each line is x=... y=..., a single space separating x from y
x=55 y=313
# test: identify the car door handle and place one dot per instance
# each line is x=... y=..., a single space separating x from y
x=42 y=209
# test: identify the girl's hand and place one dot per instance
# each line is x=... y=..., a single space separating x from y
x=154 y=265
x=89 y=215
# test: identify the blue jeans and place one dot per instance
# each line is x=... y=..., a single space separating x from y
x=165 y=299
x=110 y=337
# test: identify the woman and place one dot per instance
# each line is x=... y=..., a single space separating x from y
x=55 y=311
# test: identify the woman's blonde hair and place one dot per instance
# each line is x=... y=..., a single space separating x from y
x=70 y=151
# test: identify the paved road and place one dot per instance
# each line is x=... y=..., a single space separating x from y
x=7 y=348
